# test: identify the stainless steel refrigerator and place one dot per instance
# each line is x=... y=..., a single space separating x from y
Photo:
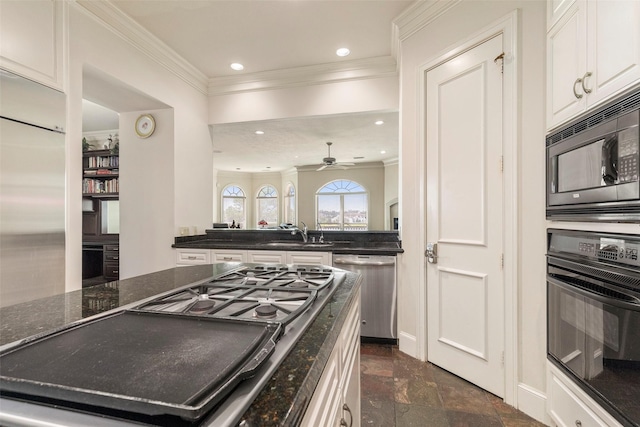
x=32 y=190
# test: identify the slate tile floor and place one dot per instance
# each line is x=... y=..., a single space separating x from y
x=398 y=390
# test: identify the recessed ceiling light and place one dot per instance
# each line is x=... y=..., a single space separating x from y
x=237 y=66
x=343 y=51
x=379 y=122
x=259 y=132
x=383 y=152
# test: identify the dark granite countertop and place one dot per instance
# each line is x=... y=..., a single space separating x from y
x=283 y=400
x=361 y=243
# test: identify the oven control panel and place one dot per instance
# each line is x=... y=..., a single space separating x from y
x=596 y=247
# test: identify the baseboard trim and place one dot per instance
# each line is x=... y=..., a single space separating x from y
x=533 y=403
x=408 y=344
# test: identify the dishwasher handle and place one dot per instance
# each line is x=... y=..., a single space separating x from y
x=366 y=261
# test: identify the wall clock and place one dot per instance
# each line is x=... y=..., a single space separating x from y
x=145 y=125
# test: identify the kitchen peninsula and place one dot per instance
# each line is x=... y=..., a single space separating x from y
x=340 y=242
x=286 y=394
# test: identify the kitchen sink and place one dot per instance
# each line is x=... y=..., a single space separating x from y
x=297 y=244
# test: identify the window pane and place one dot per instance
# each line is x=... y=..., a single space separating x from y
x=233 y=210
x=355 y=212
x=268 y=210
x=329 y=215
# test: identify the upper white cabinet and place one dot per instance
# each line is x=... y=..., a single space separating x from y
x=593 y=53
x=31 y=39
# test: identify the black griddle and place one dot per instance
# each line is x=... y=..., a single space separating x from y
x=148 y=363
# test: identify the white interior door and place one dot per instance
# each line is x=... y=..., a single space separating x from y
x=465 y=295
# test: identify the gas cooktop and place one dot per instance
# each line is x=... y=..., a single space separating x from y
x=279 y=293
x=215 y=342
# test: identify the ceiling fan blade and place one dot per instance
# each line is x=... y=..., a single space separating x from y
x=321 y=168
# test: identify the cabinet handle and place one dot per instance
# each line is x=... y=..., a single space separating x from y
x=578 y=423
x=191 y=257
x=227 y=258
x=584 y=82
x=343 y=423
x=577 y=95
x=115 y=272
x=116 y=257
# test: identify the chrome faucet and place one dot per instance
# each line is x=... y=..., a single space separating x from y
x=321 y=233
x=302 y=232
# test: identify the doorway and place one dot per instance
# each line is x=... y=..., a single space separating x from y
x=502 y=356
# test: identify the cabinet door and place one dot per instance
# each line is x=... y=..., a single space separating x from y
x=308 y=258
x=31 y=39
x=350 y=386
x=324 y=407
x=271 y=257
x=228 y=256
x=613 y=57
x=192 y=256
x=566 y=62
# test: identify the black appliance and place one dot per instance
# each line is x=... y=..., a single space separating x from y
x=593 y=165
x=196 y=355
x=593 y=306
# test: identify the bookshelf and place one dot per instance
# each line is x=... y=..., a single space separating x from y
x=100 y=173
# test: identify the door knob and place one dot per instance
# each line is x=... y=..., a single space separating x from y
x=431 y=253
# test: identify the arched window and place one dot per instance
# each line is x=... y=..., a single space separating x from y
x=290 y=204
x=267 y=206
x=233 y=205
x=343 y=205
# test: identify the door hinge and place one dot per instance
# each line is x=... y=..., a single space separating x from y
x=501 y=59
x=502 y=358
x=501 y=163
x=502 y=261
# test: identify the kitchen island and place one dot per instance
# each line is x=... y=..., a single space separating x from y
x=287 y=393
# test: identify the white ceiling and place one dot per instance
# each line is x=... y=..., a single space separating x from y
x=269 y=35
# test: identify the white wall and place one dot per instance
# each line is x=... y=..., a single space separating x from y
x=146 y=189
x=188 y=149
x=333 y=98
x=430 y=42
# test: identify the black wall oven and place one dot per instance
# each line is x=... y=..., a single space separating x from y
x=593 y=329
x=593 y=165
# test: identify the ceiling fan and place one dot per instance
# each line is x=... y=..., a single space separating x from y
x=330 y=162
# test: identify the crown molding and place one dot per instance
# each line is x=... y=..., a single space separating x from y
x=359 y=69
x=419 y=15
x=391 y=162
x=133 y=33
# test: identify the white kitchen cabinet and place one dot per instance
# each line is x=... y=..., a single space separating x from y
x=228 y=255
x=569 y=406
x=192 y=257
x=336 y=400
x=270 y=257
x=36 y=50
x=593 y=53
x=308 y=258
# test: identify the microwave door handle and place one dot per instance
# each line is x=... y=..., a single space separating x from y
x=609 y=161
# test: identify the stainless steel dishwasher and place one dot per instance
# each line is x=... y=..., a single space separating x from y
x=378 y=293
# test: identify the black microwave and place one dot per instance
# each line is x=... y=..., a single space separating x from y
x=593 y=165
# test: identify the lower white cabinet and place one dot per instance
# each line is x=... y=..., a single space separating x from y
x=192 y=257
x=308 y=258
x=270 y=257
x=228 y=255
x=209 y=256
x=569 y=406
x=336 y=400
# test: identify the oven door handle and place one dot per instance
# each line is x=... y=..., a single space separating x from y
x=610 y=300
